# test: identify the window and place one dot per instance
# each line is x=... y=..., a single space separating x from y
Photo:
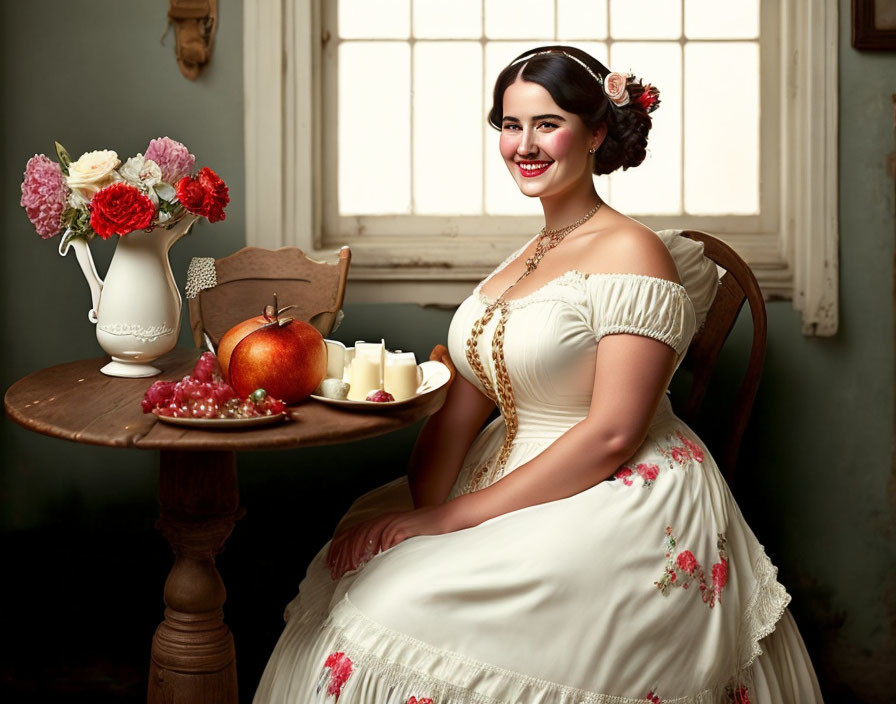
x=383 y=142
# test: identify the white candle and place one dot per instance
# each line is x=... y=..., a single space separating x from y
x=367 y=369
x=401 y=375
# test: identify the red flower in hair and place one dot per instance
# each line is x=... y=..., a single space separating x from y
x=119 y=209
x=649 y=99
x=205 y=195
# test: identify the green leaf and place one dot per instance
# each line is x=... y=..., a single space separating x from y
x=165 y=191
x=65 y=159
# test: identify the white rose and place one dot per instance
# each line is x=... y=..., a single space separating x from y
x=144 y=174
x=93 y=171
x=615 y=88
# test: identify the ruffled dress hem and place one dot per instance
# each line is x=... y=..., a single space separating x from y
x=389 y=667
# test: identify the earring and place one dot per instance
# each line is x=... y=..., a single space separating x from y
x=592 y=150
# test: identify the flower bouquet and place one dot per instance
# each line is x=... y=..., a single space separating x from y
x=98 y=195
x=150 y=202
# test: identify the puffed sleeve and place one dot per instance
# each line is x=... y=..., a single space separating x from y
x=698 y=273
x=641 y=305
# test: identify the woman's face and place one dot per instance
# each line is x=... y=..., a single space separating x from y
x=545 y=147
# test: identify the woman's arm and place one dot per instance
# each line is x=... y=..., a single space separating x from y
x=444 y=440
x=435 y=462
x=631 y=376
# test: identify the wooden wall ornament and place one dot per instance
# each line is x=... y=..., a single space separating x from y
x=195 y=22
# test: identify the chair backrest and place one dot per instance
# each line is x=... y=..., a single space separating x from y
x=247 y=280
x=737 y=286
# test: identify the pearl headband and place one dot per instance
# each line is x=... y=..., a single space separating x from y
x=614 y=85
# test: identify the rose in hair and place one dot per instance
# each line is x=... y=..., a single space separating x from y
x=615 y=88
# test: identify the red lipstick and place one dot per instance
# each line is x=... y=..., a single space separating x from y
x=535 y=168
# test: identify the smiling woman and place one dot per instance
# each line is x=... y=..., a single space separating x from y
x=583 y=547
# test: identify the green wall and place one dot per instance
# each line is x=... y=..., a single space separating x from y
x=84 y=567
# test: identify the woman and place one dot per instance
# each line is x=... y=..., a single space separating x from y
x=583 y=547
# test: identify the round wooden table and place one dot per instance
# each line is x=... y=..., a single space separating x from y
x=193 y=658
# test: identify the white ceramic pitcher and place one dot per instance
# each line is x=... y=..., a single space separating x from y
x=137 y=307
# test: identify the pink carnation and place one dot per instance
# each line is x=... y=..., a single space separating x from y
x=173 y=158
x=44 y=195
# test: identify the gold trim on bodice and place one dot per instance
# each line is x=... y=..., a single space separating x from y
x=503 y=394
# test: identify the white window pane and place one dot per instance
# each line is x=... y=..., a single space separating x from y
x=374 y=19
x=597 y=49
x=721 y=148
x=578 y=19
x=448 y=120
x=645 y=19
x=374 y=128
x=653 y=187
x=459 y=19
x=519 y=19
x=710 y=19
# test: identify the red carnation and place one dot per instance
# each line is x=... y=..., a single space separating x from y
x=119 y=209
x=205 y=195
x=649 y=99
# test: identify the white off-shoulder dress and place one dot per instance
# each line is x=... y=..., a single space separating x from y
x=646 y=587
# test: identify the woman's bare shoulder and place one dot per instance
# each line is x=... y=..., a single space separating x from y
x=629 y=248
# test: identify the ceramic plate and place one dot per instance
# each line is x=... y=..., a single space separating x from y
x=435 y=376
x=221 y=423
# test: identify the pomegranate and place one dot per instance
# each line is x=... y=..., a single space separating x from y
x=234 y=336
x=286 y=357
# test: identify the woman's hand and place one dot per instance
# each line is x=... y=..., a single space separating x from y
x=352 y=546
x=428 y=520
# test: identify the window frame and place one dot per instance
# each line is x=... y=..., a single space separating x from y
x=791 y=247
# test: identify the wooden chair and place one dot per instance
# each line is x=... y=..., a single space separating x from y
x=244 y=282
x=737 y=286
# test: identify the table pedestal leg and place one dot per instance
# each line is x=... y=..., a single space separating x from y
x=193 y=658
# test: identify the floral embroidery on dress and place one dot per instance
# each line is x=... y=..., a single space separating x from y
x=340 y=669
x=684 y=454
x=741 y=695
x=422 y=700
x=683 y=569
x=653 y=699
x=681 y=454
x=647 y=472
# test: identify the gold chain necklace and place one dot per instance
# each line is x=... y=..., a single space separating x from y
x=502 y=392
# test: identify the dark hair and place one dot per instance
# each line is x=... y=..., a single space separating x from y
x=576 y=91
